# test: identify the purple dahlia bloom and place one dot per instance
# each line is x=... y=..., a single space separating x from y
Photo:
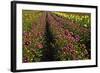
x=77 y=37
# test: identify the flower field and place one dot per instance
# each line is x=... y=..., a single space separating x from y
x=55 y=36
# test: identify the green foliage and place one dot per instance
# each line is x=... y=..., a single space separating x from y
x=30 y=17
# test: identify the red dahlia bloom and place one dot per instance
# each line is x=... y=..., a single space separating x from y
x=39 y=46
